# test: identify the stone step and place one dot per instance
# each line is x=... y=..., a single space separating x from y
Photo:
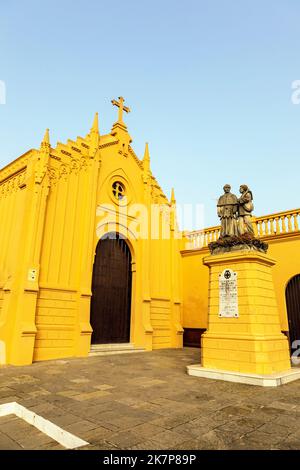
x=115 y=348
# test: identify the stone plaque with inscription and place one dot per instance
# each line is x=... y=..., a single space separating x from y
x=228 y=294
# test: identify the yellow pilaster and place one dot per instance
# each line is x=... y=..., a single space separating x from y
x=177 y=334
x=88 y=241
x=26 y=284
x=251 y=342
x=145 y=243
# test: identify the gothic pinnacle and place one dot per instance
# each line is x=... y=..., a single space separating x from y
x=173 y=200
x=95 y=126
x=146 y=159
x=46 y=140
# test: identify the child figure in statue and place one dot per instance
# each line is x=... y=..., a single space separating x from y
x=245 y=209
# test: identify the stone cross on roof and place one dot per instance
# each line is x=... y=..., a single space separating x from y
x=120 y=105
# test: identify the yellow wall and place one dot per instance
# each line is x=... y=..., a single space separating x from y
x=195 y=278
x=286 y=251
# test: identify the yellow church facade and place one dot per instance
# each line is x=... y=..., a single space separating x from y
x=86 y=220
x=91 y=254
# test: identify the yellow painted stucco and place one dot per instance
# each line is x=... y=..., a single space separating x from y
x=55 y=205
x=252 y=342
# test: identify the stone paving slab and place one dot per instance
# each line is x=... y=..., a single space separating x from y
x=16 y=434
x=146 y=401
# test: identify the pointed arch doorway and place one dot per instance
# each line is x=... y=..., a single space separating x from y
x=292 y=295
x=111 y=291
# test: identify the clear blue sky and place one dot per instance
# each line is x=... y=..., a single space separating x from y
x=208 y=83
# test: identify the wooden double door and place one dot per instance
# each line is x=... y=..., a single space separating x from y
x=292 y=295
x=111 y=291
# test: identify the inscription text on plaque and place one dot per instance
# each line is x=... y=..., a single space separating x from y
x=228 y=294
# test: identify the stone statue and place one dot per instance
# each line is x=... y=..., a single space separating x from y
x=236 y=227
x=227 y=209
x=245 y=209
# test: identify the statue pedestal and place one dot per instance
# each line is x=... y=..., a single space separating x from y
x=243 y=342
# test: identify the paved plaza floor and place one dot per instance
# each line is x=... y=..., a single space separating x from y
x=146 y=401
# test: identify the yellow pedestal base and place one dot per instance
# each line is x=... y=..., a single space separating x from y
x=251 y=343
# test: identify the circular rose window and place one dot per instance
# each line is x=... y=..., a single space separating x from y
x=118 y=190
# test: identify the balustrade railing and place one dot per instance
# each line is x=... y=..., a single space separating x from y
x=265 y=226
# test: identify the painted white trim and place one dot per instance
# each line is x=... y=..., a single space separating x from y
x=66 y=439
x=272 y=380
x=7 y=409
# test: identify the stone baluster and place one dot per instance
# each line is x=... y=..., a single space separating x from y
x=272 y=226
x=259 y=228
x=191 y=240
x=254 y=224
x=194 y=240
x=290 y=226
x=209 y=237
x=277 y=226
x=205 y=241
x=296 y=226
x=283 y=227
x=202 y=239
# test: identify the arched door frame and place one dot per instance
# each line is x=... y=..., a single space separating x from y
x=123 y=232
x=292 y=304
